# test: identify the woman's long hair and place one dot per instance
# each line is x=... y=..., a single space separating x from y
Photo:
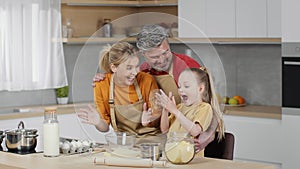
x=116 y=54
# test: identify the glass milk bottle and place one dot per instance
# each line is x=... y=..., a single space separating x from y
x=51 y=133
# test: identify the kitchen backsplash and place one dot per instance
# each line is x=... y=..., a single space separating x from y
x=252 y=71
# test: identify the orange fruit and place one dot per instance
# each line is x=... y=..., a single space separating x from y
x=240 y=99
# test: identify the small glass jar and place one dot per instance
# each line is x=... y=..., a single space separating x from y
x=107 y=28
x=179 y=148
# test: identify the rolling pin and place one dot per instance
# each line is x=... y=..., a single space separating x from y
x=127 y=162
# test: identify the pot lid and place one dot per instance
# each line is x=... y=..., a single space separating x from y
x=21 y=130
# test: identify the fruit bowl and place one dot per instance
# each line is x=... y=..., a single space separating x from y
x=235 y=101
x=235 y=105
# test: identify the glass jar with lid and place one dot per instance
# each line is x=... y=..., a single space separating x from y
x=51 y=132
x=107 y=28
x=179 y=148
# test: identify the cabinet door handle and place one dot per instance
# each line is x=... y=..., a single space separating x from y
x=291 y=63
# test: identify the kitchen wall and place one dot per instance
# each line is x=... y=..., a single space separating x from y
x=252 y=71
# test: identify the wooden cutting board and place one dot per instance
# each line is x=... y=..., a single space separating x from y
x=3 y=166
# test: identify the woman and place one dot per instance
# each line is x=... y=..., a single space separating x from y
x=123 y=95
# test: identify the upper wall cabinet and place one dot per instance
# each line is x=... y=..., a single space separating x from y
x=251 y=18
x=258 y=18
x=274 y=18
x=220 y=18
x=290 y=21
x=191 y=21
x=211 y=18
x=230 y=18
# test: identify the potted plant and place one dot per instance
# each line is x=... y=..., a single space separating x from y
x=62 y=95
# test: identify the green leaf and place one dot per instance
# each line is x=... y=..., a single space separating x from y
x=62 y=92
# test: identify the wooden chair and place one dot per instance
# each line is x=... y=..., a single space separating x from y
x=223 y=149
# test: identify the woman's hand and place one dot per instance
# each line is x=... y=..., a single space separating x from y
x=166 y=102
x=89 y=116
x=148 y=117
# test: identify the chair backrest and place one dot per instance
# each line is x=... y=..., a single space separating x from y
x=223 y=149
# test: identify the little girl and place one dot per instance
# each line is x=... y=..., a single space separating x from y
x=199 y=102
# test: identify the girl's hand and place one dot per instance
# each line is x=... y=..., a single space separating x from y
x=166 y=102
x=89 y=115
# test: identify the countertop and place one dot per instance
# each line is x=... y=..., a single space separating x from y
x=35 y=111
x=37 y=161
x=272 y=112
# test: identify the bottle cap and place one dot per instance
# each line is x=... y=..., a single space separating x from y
x=107 y=20
x=51 y=108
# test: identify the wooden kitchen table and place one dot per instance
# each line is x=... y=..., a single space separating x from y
x=82 y=161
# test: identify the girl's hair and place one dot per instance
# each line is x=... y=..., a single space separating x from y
x=209 y=95
x=116 y=54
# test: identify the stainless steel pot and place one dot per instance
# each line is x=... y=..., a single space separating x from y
x=21 y=140
x=1 y=137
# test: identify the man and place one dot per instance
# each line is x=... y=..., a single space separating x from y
x=165 y=66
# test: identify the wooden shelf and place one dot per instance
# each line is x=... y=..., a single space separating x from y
x=133 y=3
x=180 y=40
x=227 y=40
x=88 y=15
x=96 y=40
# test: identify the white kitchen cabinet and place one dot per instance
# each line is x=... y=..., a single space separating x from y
x=274 y=18
x=258 y=18
x=230 y=18
x=256 y=139
x=220 y=18
x=272 y=141
x=71 y=127
x=290 y=21
x=216 y=18
x=191 y=18
x=251 y=18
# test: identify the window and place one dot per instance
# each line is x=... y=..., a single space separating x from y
x=31 y=50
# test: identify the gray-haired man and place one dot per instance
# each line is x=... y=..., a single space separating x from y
x=166 y=66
